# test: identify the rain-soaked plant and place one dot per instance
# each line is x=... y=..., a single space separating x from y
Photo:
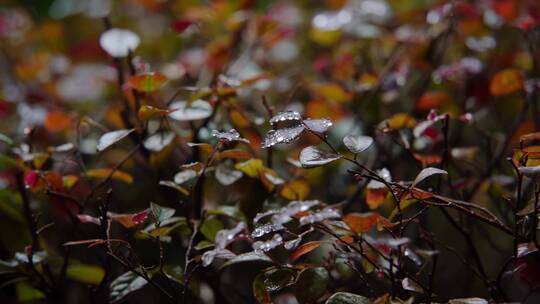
x=361 y=151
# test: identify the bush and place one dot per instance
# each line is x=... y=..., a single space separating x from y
x=362 y=151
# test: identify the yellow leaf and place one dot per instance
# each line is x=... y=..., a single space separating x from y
x=105 y=172
x=331 y=92
x=295 y=190
x=148 y=112
x=250 y=167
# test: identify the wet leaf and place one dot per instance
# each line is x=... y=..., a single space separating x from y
x=225 y=236
x=161 y=213
x=118 y=42
x=221 y=253
x=197 y=110
x=124 y=285
x=110 y=138
x=271 y=281
x=427 y=172
x=532 y=172
x=311 y=284
x=184 y=176
x=268 y=245
x=227 y=176
x=286 y=116
x=248 y=257
x=318 y=125
x=282 y=136
x=311 y=157
x=231 y=135
x=410 y=285
x=357 y=144
x=304 y=249
x=148 y=82
x=468 y=301
x=158 y=141
x=347 y=298
x=319 y=216
x=140 y=217
x=506 y=82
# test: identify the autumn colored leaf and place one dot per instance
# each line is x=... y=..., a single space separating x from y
x=233 y=154
x=149 y=112
x=361 y=222
x=148 y=82
x=432 y=100
x=375 y=197
x=105 y=172
x=506 y=82
x=250 y=167
x=295 y=190
x=57 y=121
x=400 y=121
x=304 y=249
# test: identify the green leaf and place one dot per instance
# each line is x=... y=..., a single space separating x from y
x=347 y=298
x=6 y=139
x=161 y=213
x=251 y=256
x=26 y=293
x=210 y=227
x=311 y=284
x=124 y=285
x=7 y=162
x=88 y=274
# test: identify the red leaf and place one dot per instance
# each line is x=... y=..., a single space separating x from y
x=141 y=216
x=31 y=179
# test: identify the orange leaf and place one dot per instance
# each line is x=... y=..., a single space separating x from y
x=331 y=92
x=322 y=109
x=125 y=220
x=361 y=222
x=304 y=249
x=506 y=82
x=148 y=82
x=54 y=180
x=347 y=239
x=427 y=160
x=375 y=197
x=234 y=154
x=105 y=172
x=432 y=100
x=57 y=121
